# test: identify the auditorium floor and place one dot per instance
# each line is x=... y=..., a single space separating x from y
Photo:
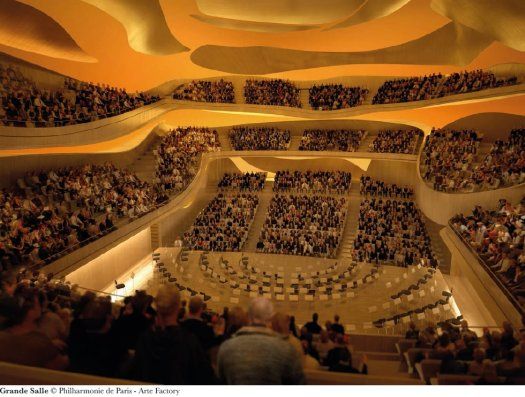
x=356 y=312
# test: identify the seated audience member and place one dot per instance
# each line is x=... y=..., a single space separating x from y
x=466 y=331
x=21 y=342
x=428 y=336
x=323 y=346
x=168 y=354
x=195 y=324
x=281 y=325
x=339 y=359
x=256 y=355
x=476 y=366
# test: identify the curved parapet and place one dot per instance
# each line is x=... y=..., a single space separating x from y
x=441 y=206
x=82 y=134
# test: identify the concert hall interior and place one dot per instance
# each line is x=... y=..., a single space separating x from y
x=202 y=192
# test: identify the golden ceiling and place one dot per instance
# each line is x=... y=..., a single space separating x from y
x=139 y=44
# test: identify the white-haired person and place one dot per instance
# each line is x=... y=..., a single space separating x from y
x=256 y=355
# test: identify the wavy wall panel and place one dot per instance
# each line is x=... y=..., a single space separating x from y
x=26 y=28
x=280 y=11
x=451 y=45
x=145 y=25
x=503 y=20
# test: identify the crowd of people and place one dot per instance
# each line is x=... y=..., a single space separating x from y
x=494 y=358
x=437 y=85
x=328 y=182
x=451 y=163
x=374 y=187
x=224 y=224
x=24 y=104
x=52 y=324
x=178 y=155
x=336 y=96
x=498 y=236
x=503 y=166
x=396 y=141
x=303 y=225
x=51 y=212
x=332 y=140
x=220 y=91
x=392 y=231
x=259 y=138
x=447 y=157
x=249 y=181
x=276 y=92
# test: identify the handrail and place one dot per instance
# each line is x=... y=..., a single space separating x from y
x=500 y=284
x=77 y=120
x=89 y=127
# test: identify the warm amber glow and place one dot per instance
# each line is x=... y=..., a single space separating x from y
x=105 y=38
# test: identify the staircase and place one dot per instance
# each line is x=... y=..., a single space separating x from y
x=304 y=95
x=184 y=223
x=144 y=166
x=239 y=92
x=155 y=236
x=265 y=196
x=438 y=246
x=295 y=141
x=224 y=141
x=368 y=139
x=352 y=217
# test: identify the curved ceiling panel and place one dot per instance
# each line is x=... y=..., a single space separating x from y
x=145 y=25
x=299 y=12
x=370 y=10
x=503 y=20
x=29 y=29
x=264 y=27
x=451 y=45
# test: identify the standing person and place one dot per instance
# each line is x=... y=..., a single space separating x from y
x=195 y=324
x=168 y=354
x=256 y=355
x=313 y=326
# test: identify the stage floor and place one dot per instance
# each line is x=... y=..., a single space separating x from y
x=357 y=313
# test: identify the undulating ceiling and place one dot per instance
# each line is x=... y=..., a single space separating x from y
x=139 y=44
